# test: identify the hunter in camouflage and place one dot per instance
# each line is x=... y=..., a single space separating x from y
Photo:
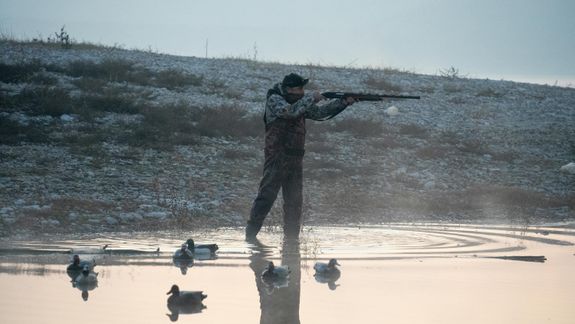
x=287 y=108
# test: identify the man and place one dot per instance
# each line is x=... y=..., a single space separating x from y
x=287 y=107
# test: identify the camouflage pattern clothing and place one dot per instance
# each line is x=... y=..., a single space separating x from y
x=284 y=151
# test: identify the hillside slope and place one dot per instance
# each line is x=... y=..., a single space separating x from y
x=96 y=138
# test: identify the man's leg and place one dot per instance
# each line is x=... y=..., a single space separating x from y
x=267 y=194
x=293 y=198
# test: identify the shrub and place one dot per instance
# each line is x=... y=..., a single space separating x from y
x=452 y=87
x=451 y=73
x=382 y=84
x=50 y=101
x=413 y=130
x=174 y=79
x=12 y=132
x=114 y=70
x=43 y=79
x=18 y=72
x=359 y=127
x=108 y=102
x=432 y=152
x=385 y=141
x=473 y=146
x=227 y=121
x=90 y=84
x=236 y=154
x=488 y=92
x=164 y=127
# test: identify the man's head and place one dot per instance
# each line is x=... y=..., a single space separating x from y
x=294 y=80
x=292 y=86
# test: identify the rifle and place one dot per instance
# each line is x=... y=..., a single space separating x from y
x=359 y=97
x=364 y=96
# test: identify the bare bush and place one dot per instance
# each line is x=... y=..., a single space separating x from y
x=13 y=133
x=413 y=130
x=237 y=154
x=45 y=100
x=175 y=79
x=451 y=73
x=359 y=127
x=227 y=121
x=16 y=73
x=115 y=70
x=382 y=84
x=489 y=92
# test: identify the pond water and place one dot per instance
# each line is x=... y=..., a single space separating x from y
x=396 y=273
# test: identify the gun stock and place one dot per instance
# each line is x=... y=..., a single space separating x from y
x=365 y=96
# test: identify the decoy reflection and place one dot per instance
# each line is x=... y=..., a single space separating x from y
x=87 y=280
x=183 y=264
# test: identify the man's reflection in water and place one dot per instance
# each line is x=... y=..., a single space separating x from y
x=278 y=305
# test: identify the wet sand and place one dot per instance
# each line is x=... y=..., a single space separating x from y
x=398 y=273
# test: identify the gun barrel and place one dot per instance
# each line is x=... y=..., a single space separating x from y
x=365 y=96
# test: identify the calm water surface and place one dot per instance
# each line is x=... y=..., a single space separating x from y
x=397 y=273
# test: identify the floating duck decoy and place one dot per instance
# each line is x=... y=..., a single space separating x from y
x=78 y=265
x=327 y=273
x=183 y=253
x=273 y=272
x=183 y=298
x=326 y=269
x=201 y=248
x=184 y=302
x=275 y=277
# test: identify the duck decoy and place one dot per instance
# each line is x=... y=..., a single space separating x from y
x=201 y=248
x=327 y=273
x=273 y=272
x=182 y=298
x=326 y=269
x=78 y=265
x=183 y=253
x=275 y=277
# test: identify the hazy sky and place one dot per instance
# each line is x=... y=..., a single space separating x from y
x=525 y=40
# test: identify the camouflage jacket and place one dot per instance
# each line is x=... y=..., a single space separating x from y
x=285 y=123
x=278 y=107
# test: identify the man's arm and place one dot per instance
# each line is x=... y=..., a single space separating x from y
x=326 y=111
x=278 y=107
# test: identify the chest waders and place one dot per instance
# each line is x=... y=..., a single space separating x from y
x=283 y=168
